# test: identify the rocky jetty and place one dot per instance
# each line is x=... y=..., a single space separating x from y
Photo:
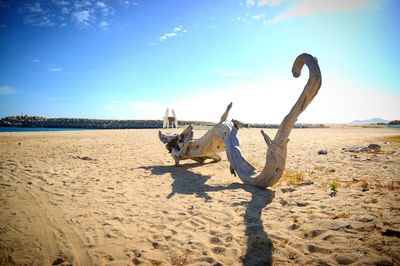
x=43 y=122
x=297 y=125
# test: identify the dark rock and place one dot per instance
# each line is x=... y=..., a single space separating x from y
x=365 y=218
x=374 y=147
x=322 y=152
x=288 y=189
x=345 y=259
x=294 y=226
x=392 y=233
x=283 y=202
x=58 y=261
x=302 y=204
x=306 y=183
x=356 y=149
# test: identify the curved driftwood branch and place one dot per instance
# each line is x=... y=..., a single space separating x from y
x=276 y=148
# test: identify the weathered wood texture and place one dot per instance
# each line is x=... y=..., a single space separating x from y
x=276 y=148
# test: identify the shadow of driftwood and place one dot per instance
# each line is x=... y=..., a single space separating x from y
x=259 y=246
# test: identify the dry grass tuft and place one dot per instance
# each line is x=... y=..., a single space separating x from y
x=393 y=138
x=293 y=178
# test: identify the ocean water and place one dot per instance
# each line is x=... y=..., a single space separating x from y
x=393 y=126
x=39 y=129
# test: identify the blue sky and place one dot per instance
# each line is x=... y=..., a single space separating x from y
x=133 y=59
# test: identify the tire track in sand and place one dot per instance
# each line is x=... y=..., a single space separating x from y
x=39 y=199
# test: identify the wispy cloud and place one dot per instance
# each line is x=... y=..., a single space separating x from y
x=82 y=18
x=128 y=3
x=177 y=31
x=259 y=17
x=55 y=69
x=314 y=7
x=264 y=2
x=226 y=73
x=7 y=90
x=60 y=13
x=35 y=60
x=104 y=25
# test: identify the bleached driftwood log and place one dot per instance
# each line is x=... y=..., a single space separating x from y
x=183 y=146
x=223 y=136
x=276 y=148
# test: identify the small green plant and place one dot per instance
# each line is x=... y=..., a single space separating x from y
x=334 y=187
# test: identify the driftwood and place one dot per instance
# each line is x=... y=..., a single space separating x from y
x=183 y=146
x=223 y=136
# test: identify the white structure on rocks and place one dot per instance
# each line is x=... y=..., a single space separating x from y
x=170 y=121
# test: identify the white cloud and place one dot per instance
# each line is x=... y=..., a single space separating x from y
x=259 y=17
x=244 y=19
x=83 y=13
x=35 y=61
x=101 y=5
x=269 y=2
x=82 y=18
x=313 y=7
x=250 y=2
x=55 y=69
x=61 y=2
x=128 y=3
x=65 y=10
x=7 y=90
x=39 y=20
x=169 y=35
x=104 y=25
x=177 y=31
x=34 y=7
x=105 y=9
x=264 y=2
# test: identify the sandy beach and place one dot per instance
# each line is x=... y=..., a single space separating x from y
x=115 y=198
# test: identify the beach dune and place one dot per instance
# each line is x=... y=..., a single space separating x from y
x=115 y=198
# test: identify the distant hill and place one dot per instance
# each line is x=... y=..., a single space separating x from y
x=394 y=122
x=371 y=121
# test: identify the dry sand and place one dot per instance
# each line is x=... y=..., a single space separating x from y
x=115 y=198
